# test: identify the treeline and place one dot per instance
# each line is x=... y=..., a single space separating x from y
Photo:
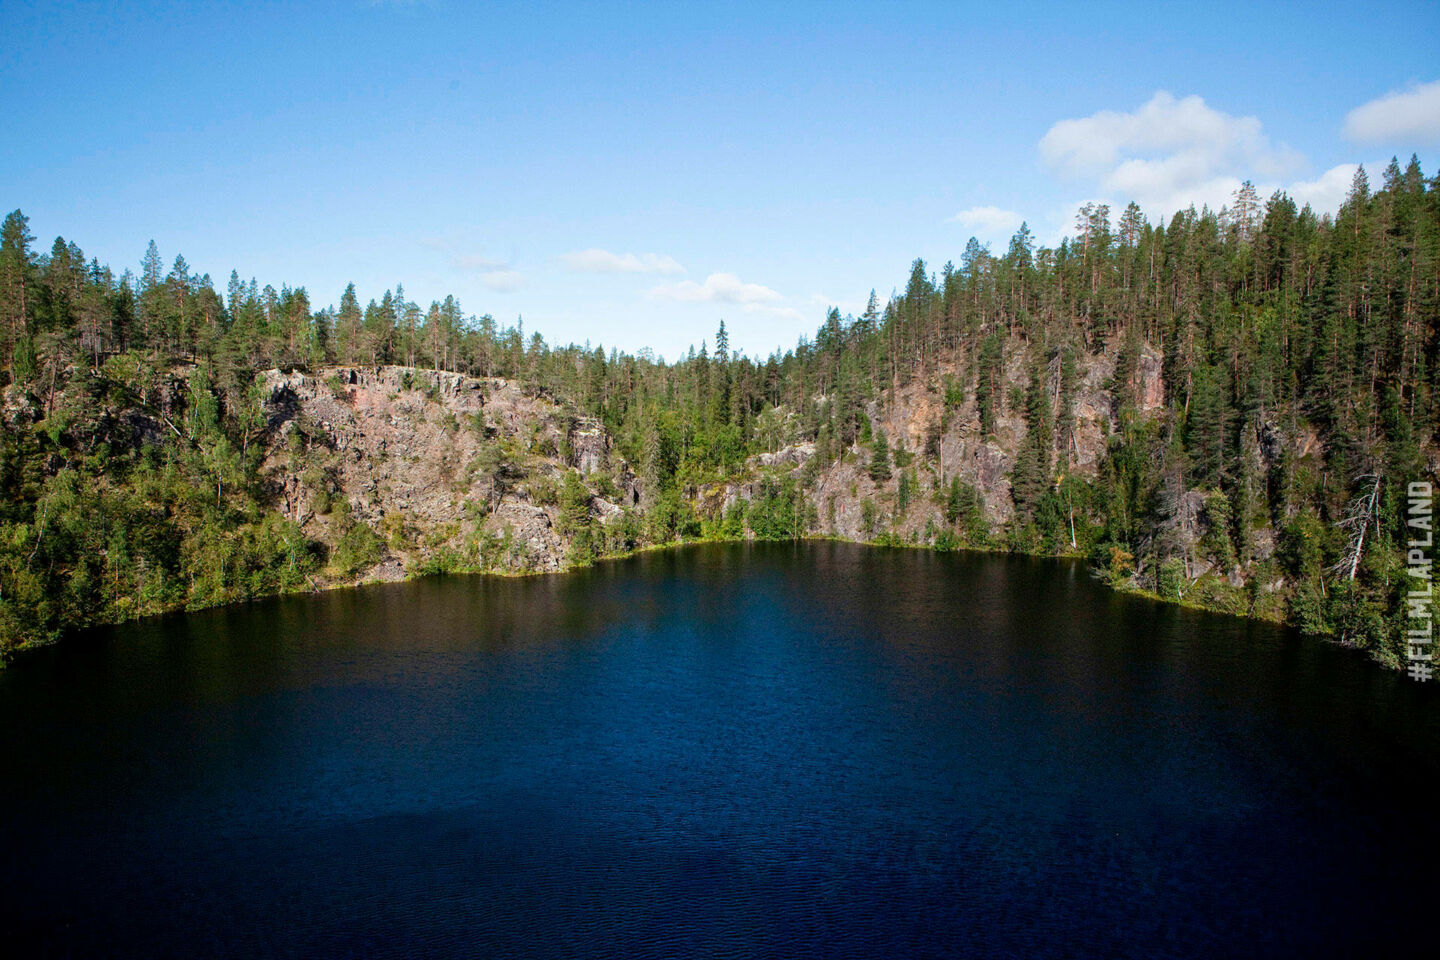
x=1297 y=360
x=1297 y=356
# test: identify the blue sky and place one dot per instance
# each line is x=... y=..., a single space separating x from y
x=629 y=174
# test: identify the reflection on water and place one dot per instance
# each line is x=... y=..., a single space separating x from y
x=721 y=751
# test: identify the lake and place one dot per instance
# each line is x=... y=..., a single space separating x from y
x=767 y=750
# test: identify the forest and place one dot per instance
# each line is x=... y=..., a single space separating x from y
x=1298 y=368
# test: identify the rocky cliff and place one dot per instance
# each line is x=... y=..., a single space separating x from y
x=146 y=495
x=942 y=445
x=444 y=465
x=434 y=463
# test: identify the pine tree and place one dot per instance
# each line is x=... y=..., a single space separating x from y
x=349 y=322
x=989 y=384
x=1031 y=475
x=879 y=457
x=575 y=519
x=16 y=301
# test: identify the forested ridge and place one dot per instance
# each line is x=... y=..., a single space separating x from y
x=1262 y=380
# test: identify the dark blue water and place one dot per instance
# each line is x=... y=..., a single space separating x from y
x=818 y=750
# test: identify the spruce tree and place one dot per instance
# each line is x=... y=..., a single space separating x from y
x=879 y=457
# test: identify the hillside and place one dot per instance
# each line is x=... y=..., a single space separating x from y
x=1222 y=410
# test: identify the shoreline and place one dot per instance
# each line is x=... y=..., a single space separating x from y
x=412 y=575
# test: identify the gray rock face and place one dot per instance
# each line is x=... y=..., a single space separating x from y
x=439 y=461
x=431 y=461
x=589 y=445
x=21 y=409
x=794 y=455
x=535 y=538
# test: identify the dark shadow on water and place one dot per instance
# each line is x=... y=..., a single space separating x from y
x=740 y=750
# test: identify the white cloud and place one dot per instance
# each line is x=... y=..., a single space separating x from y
x=475 y=262
x=728 y=288
x=717 y=288
x=502 y=281
x=603 y=261
x=1167 y=154
x=496 y=275
x=990 y=221
x=1412 y=114
x=1326 y=192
